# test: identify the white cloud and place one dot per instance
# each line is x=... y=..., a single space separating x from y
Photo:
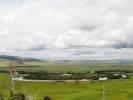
x=70 y=29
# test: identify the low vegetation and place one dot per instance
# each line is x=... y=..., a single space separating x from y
x=111 y=74
x=116 y=87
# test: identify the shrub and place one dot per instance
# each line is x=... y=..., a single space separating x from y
x=19 y=96
x=47 y=98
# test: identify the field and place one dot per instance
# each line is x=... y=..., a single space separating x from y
x=66 y=66
x=117 y=89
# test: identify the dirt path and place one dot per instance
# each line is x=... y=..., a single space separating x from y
x=83 y=80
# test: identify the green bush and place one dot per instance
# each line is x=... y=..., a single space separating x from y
x=47 y=98
x=19 y=96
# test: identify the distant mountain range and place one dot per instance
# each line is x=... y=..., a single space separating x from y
x=99 y=61
x=18 y=58
x=28 y=59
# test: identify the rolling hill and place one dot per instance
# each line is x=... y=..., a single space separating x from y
x=19 y=61
x=18 y=58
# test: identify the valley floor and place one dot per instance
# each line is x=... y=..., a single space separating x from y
x=121 y=89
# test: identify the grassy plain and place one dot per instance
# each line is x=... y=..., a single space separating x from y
x=119 y=89
x=115 y=89
x=67 y=66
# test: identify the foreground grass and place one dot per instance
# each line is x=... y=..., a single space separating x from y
x=115 y=89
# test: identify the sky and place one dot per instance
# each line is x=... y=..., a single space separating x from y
x=67 y=29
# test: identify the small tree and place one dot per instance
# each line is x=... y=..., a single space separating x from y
x=103 y=91
x=11 y=81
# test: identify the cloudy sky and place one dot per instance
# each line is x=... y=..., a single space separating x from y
x=67 y=29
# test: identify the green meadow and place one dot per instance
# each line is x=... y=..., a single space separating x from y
x=117 y=89
x=121 y=89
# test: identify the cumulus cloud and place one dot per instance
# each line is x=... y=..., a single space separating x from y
x=87 y=29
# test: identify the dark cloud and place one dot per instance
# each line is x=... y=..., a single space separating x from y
x=122 y=45
x=87 y=27
x=84 y=53
x=38 y=48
